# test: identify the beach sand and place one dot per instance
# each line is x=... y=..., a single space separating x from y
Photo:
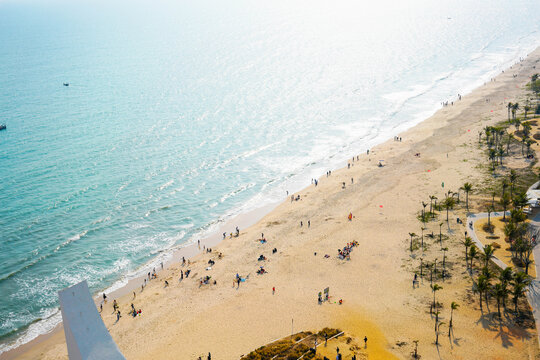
x=186 y=320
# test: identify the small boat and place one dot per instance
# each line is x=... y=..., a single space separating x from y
x=3 y=127
x=66 y=84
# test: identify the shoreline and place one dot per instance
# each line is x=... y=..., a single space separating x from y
x=192 y=251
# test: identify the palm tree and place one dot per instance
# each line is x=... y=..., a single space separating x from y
x=509 y=107
x=467 y=187
x=500 y=153
x=505 y=201
x=528 y=143
x=488 y=253
x=444 y=250
x=527 y=108
x=453 y=307
x=492 y=156
x=472 y=254
x=487 y=274
x=513 y=178
x=423 y=237
x=437 y=330
x=515 y=108
x=505 y=277
x=482 y=286
x=411 y=235
x=431 y=198
x=510 y=138
x=435 y=288
x=424 y=212
x=468 y=243
x=489 y=211
x=520 y=200
x=520 y=281
x=500 y=292
x=440 y=233
x=448 y=204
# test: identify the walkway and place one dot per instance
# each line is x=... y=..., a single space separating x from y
x=470 y=230
x=533 y=295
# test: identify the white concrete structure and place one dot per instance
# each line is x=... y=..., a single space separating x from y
x=87 y=337
x=533 y=194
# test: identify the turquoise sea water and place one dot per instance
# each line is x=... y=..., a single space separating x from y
x=180 y=115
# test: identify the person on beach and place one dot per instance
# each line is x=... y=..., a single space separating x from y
x=301 y=224
x=104 y=297
x=118 y=315
x=365 y=342
x=184 y=259
x=199 y=243
x=101 y=307
x=134 y=295
x=224 y=235
x=273 y=290
x=350 y=216
x=209 y=356
x=115 y=305
x=308 y=223
x=166 y=283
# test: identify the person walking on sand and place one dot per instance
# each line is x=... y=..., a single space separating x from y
x=350 y=216
x=365 y=342
x=308 y=223
x=209 y=356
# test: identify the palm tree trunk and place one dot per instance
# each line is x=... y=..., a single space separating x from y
x=480 y=293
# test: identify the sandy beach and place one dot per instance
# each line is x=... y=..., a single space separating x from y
x=185 y=319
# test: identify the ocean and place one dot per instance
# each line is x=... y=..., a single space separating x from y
x=180 y=115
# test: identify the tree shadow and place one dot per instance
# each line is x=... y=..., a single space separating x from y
x=456 y=341
x=505 y=336
x=486 y=320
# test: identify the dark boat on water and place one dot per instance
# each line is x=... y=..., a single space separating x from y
x=3 y=127
x=66 y=84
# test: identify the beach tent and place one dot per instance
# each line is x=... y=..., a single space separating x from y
x=87 y=337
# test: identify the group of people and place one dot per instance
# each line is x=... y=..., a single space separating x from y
x=345 y=253
x=236 y=234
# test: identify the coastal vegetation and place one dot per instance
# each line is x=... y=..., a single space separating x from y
x=509 y=148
